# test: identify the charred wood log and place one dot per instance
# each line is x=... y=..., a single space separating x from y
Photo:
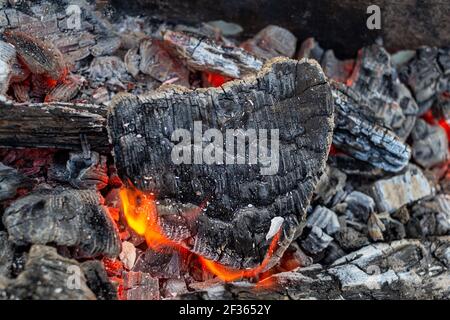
x=358 y=134
x=65 y=217
x=54 y=125
x=47 y=276
x=404 y=269
x=291 y=96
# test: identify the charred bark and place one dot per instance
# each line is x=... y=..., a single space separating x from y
x=53 y=125
x=238 y=202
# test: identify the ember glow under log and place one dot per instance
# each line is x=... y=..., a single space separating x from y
x=239 y=204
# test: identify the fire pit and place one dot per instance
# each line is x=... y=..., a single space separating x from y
x=197 y=153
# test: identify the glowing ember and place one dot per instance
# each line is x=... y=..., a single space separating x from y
x=216 y=80
x=141 y=215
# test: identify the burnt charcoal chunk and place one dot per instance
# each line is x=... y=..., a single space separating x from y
x=47 y=276
x=10 y=181
x=375 y=78
x=430 y=144
x=85 y=170
x=140 y=286
x=97 y=280
x=271 y=42
x=392 y=193
x=156 y=62
x=430 y=217
x=359 y=134
x=427 y=75
x=206 y=55
x=291 y=96
x=6 y=255
x=160 y=264
x=65 y=217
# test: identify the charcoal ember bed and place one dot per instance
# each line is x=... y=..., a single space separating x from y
x=357 y=207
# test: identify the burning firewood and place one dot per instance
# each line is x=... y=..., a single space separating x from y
x=39 y=56
x=239 y=203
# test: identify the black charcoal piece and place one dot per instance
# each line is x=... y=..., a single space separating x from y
x=47 y=276
x=430 y=144
x=358 y=133
x=97 y=280
x=66 y=217
x=375 y=78
x=205 y=55
x=290 y=96
x=270 y=42
x=10 y=181
x=82 y=170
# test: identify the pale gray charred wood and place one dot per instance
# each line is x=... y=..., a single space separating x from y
x=292 y=96
x=404 y=269
x=52 y=125
x=47 y=276
x=358 y=133
x=205 y=55
x=65 y=217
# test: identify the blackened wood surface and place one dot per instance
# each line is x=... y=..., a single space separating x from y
x=54 y=125
x=292 y=96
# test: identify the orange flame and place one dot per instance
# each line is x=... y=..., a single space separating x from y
x=142 y=216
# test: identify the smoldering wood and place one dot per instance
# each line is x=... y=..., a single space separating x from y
x=38 y=125
x=324 y=219
x=358 y=134
x=65 y=217
x=404 y=269
x=141 y=127
x=316 y=241
x=430 y=144
x=358 y=206
x=205 y=55
x=10 y=181
x=7 y=57
x=46 y=277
